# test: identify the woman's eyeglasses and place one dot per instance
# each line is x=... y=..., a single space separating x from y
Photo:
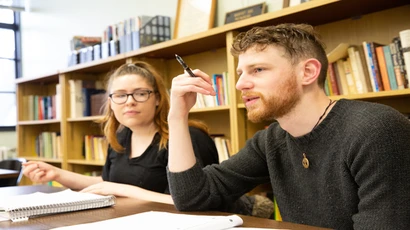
x=138 y=96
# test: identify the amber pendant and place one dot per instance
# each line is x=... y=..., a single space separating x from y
x=305 y=161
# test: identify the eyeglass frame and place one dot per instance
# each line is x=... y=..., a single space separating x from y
x=132 y=95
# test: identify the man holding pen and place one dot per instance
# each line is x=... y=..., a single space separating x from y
x=337 y=164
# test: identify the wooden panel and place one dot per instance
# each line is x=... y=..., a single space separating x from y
x=236 y=117
x=27 y=135
x=75 y=137
x=217 y=121
x=98 y=66
x=380 y=27
x=210 y=62
x=85 y=169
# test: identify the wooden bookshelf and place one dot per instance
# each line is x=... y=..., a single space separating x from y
x=338 y=21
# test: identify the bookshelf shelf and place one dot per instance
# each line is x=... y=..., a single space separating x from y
x=372 y=95
x=97 y=66
x=84 y=162
x=43 y=159
x=44 y=79
x=39 y=122
x=338 y=21
x=210 y=109
x=91 y=118
x=376 y=95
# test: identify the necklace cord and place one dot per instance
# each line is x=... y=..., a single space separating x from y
x=320 y=118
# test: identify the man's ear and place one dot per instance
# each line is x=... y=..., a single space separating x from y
x=311 y=69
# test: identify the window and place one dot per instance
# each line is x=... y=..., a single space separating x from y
x=10 y=66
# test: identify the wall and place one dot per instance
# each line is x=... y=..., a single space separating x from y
x=8 y=139
x=49 y=26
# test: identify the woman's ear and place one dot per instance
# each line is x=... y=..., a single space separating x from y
x=156 y=101
x=311 y=70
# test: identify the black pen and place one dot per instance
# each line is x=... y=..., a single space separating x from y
x=185 y=66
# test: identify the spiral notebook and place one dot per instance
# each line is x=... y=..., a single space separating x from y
x=21 y=207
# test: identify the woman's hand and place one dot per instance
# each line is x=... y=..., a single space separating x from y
x=40 y=172
x=104 y=188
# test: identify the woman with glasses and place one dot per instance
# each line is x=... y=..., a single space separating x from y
x=135 y=125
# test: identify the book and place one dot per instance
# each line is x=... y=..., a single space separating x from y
x=337 y=53
x=363 y=70
x=341 y=75
x=221 y=148
x=79 y=42
x=333 y=80
x=405 y=50
x=170 y=221
x=400 y=61
x=21 y=207
x=383 y=69
x=389 y=67
x=357 y=70
x=349 y=76
x=373 y=65
x=396 y=66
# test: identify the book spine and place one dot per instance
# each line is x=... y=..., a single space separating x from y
x=389 y=66
x=360 y=86
x=383 y=68
x=405 y=44
x=370 y=66
x=342 y=75
x=396 y=67
x=333 y=81
x=349 y=77
x=376 y=66
x=400 y=61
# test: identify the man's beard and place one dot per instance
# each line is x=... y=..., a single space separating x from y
x=277 y=105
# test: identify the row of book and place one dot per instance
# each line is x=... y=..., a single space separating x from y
x=40 y=107
x=48 y=145
x=124 y=36
x=221 y=87
x=370 y=67
x=86 y=98
x=95 y=147
x=223 y=146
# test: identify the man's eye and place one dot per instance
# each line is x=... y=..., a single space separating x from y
x=258 y=70
x=120 y=95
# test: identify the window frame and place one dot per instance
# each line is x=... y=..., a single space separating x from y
x=17 y=55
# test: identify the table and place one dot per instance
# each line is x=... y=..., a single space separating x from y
x=123 y=207
x=7 y=173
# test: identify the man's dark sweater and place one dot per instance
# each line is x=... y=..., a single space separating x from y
x=359 y=173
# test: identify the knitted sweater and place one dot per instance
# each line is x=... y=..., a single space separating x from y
x=358 y=178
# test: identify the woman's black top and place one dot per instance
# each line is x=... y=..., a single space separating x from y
x=148 y=171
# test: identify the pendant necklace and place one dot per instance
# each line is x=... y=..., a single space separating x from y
x=305 y=160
